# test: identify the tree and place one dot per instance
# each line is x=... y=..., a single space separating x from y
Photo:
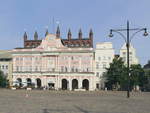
x=137 y=76
x=3 y=80
x=116 y=75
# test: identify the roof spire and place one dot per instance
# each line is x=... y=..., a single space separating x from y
x=35 y=35
x=58 y=32
x=91 y=34
x=46 y=33
x=80 y=34
x=69 y=34
x=25 y=36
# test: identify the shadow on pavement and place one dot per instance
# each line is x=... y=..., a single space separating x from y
x=45 y=111
x=82 y=110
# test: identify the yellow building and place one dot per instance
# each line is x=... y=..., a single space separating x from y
x=6 y=64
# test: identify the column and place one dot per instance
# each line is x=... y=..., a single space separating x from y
x=70 y=84
x=80 y=83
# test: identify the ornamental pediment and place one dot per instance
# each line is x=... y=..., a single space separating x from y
x=51 y=43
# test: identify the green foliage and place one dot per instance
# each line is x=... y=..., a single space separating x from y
x=137 y=75
x=3 y=80
x=117 y=76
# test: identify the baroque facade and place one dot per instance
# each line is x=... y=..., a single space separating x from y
x=55 y=63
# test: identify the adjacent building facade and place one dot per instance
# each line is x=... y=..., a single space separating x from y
x=104 y=54
x=55 y=62
x=132 y=54
x=6 y=64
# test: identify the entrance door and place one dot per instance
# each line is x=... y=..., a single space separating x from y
x=85 y=84
x=29 y=82
x=38 y=81
x=64 y=84
x=74 y=84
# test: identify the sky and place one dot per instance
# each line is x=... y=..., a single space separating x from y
x=18 y=16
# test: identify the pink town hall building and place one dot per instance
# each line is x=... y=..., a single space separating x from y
x=53 y=62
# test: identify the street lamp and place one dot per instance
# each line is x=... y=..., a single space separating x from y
x=128 y=39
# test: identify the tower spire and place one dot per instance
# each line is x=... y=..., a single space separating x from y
x=35 y=35
x=91 y=34
x=25 y=36
x=46 y=33
x=58 y=32
x=69 y=34
x=80 y=34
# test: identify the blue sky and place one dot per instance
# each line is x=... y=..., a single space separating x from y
x=100 y=15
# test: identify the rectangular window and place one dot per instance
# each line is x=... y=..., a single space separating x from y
x=104 y=58
x=104 y=65
x=66 y=69
x=62 y=68
x=124 y=53
x=6 y=67
x=99 y=58
x=97 y=65
x=87 y=69
x=97 y=74
x=72 y=58
x=130 y=53
x=76 y=69
x=17 y=68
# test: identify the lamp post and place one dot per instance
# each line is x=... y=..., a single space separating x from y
x=128 y=39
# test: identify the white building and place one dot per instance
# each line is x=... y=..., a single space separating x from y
x=104 y=54
x=132 y=54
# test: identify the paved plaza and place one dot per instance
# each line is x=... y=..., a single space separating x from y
x=36 y=101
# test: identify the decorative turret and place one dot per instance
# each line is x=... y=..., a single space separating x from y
x=25 y=36
x=35 y=35
x=80 y=34
x=91 y=37
x=69 y=34
x=46 y=33
x=91 y=34
x=58 y=32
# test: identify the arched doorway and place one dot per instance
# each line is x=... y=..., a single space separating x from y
x=64 y=84
x=38 y=82
x=29 y=82
x=85 y=84
x=19 y=80
x=74 y=84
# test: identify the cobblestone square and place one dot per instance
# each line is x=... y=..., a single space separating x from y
x=36 y=101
